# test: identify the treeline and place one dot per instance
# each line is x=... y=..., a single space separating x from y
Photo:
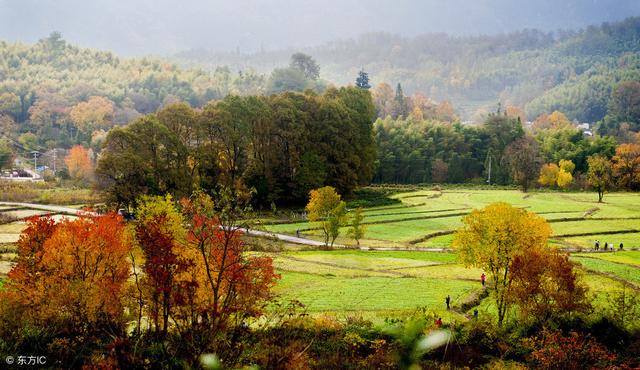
x=282 y=146
x=474 y=72
x=426 y=151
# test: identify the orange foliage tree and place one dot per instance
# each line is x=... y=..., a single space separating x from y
x=231 y=285
x=78 y=163
x=626 y=166
x=546 y=285
x=72 y=273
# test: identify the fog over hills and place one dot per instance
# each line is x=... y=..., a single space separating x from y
x=164 y=27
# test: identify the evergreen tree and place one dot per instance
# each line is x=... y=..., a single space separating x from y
x=400 y=107
x=363 y=80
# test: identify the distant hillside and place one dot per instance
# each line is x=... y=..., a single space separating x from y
x=63 y=94
x=567 y=70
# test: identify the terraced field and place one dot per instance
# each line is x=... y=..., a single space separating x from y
x=427 y=218
x=376 y=284
x=380 y=284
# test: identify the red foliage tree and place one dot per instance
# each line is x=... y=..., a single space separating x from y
x=231 y=285
x=545 y=284
x=161 y=265
x=573 y=352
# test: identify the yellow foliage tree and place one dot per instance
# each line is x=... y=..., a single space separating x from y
x=326 y=205
x=564 y=179
x=567 y=165
x=548 y=174
x=556 y=120
x=492 y=237
x=78 y=163
x=97 y=112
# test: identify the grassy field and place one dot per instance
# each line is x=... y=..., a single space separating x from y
x=383 y=283
x=374 y=284
x=380 y=284
x=577 y=219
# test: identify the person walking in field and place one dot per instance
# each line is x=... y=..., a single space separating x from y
x=597 y=246
x=439 y=322
x=448 y=301
x=620 y=246
x=475 y=313
x=482 y=279
x=605 y=246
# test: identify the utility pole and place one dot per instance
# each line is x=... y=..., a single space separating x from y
x=54 y=162
x=489 y=178
x=35 y=160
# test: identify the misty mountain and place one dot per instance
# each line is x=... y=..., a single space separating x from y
x=577 y=68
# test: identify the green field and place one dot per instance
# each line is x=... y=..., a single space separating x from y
x=383 y=283
x=373 y=283
x=425 y=212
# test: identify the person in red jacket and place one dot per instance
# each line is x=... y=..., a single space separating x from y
x=482 y=278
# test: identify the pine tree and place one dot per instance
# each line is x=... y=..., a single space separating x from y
x=400 y=107
x=363 y=80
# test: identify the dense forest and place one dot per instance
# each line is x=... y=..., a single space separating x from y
x=570 y=71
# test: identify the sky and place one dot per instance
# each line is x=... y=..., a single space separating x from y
x=162 y=27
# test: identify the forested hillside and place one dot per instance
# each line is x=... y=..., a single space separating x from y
x=570 y=71
x=63 y=94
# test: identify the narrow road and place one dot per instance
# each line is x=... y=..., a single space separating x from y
x=286 y=238
x=55 y=209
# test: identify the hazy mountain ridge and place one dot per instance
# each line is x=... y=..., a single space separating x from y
x=473 y=72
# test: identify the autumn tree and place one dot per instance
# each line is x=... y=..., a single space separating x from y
x=548 y=174
x=78 y=163
x=231 y=285
x=599 y=174
x=523 y=157
x=383 y=99
x=565 y=175
x=326 y=206
x=95 y=113
x=357 y=229
x=492 y=237
x=626 y=166
x=546 y=285
x=160 y=234
x=555 y=121
x=72 y=275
